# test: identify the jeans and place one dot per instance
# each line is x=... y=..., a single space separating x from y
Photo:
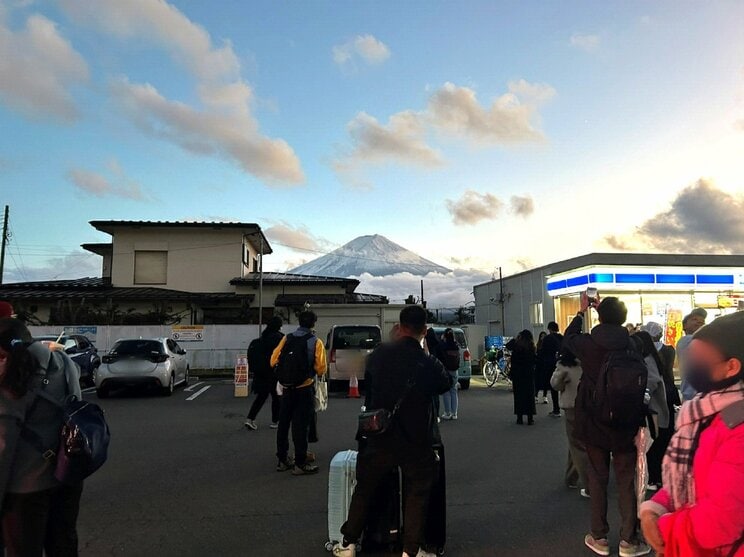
x=599 y=474
x=576 y=467
x=374 y=463
x=43 y=521
x=259 y=402
x=297 y=408
x=450 y=397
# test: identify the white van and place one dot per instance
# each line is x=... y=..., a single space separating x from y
x=348 y=347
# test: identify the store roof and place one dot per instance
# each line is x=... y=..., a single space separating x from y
x=635 y=260
x=108 y=226
x=97 y=288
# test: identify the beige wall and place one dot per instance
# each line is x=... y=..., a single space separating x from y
x=271 y=291
x=199 y=260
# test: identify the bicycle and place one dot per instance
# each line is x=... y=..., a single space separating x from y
x=497 y=369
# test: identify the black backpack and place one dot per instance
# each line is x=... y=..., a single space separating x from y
x=257 y=358
x=617 y=399
x=452 y=360
x=293 y=368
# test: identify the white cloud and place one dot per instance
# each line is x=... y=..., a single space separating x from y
x=224 y=126
x=117 y=184
x=75 y=264
x=584 y=41
x=474 y=207
x=449 y=290
x=298 y=238
x=366 y=47
x=232 y=136
x=38 y=67
x=522 y=205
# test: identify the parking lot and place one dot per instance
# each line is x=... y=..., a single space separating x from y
x=185 y=478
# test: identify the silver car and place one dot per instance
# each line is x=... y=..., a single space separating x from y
x=158 y=362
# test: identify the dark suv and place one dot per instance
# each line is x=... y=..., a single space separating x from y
x=82 y=352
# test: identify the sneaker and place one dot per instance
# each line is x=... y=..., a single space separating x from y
x=653 y=487
x=310 y=457
x=446 y=416
x=304 y=470
x=423 y=553
x=628 y=549
x=274 y=425
x=600 y=547
x=555 y=414
x=585 y=493
x=545 y=400
x=285 y=465
x=340 y=550
x=453 y=417
x=251 y=424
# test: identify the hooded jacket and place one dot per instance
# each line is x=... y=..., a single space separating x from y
x=566 y=380
x=591 y=350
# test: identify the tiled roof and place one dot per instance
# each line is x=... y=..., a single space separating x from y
x=284 y=300
x=292 y=278
x=97 y=288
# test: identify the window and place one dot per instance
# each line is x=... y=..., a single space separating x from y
x=150 y=267
x=536 y=313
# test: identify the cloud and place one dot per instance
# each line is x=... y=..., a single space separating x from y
x=38 y=67
x=522 y=206
x=367 y=47
x=232 y=136
x=449 y=290
x=474 y=207
x=224 y=125
x=457 y=111
x=585 y=41
x=295 y=237
x=702 y=218
x=98 y=185
x=75 y=264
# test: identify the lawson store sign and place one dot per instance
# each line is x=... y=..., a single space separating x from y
x=647 y=279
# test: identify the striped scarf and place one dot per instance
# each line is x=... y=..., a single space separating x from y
x=694 y=417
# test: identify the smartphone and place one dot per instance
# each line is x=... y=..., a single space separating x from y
x=591 y=294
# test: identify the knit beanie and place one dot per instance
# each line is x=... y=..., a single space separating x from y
x=6 y=310
x=727 y=334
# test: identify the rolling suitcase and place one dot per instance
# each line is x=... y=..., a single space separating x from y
x=435 y=535
x=384 y=519
x=341 y=483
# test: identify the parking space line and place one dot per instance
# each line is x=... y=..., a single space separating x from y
x=88 y=390
x=199 y=392
x=192 y=387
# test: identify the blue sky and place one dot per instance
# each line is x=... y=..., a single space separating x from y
x=327 y=120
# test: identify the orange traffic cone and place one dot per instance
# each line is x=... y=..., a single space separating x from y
x=353 y=388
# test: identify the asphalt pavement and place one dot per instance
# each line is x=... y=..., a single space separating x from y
x=184 y=478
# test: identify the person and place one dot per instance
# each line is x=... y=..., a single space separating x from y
x=604 y=442
x=565 y=380
x=700 y=509
x=39 y=514
x=399 y=373
x=523 y=356
x=264 y=379
x=547 y=356
x=690 y=325
x=542 y=377
x=433 y=347
x=298 y=399
x=451 y=352
x=6 y=310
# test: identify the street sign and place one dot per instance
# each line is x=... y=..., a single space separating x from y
x=89 y=332
x=187 y=333
x=241 y=377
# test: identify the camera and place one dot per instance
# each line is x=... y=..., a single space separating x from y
x=591 y=295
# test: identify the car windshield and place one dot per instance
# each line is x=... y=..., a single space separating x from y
x=356 y=337
x=459 y=338
x=137 y=347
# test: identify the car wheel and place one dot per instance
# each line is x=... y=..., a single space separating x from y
x=186 y=378
x=168 y=390
x=464 y=384
x=102 y=392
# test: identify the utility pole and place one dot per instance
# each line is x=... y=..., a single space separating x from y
x=260 y=283
x=423 y=302
x=4 y=243
x=503 y=303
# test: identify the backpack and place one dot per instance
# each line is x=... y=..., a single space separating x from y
x=452 y=360
x=256 y=356
x=293 y=368
x=617 y=399
x=84 y=435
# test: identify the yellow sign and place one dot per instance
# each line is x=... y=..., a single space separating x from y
x=187 y=333
x=241 y=377
x=673 y=327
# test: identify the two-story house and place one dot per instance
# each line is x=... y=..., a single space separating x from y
x=177 y=272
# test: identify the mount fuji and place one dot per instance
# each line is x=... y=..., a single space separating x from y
x=375 y=255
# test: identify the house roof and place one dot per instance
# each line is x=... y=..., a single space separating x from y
x=100 y=248
x=108 y=226
x=97 y=288
x=634 y=260
x=291 y=278
x=289 y=300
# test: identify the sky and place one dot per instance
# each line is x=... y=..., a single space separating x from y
x=476 y=134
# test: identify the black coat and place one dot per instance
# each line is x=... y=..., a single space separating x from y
x=523 y=360
x=547 y=357
x=264 y=379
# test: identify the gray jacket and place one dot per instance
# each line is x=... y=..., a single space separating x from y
x=657 y=391
x=565 y=380
x=22 y=466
